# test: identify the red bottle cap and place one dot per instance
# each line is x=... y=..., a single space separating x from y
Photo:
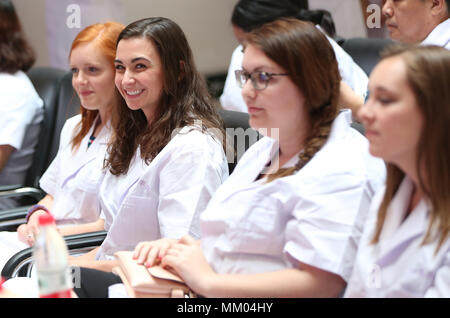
x=46 y=219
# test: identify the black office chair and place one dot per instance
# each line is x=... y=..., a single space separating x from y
x=20 y=265
x=68 y=106
x=46 y=81
x=239 y=135
x=60 y=103
x=365 y=51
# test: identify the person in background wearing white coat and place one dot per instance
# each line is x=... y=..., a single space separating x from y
x=425 y=22
x=250 y=14
x=166 y=158
x=287 y=221
x=72 y=180
x=405 y=247
x=21 y=110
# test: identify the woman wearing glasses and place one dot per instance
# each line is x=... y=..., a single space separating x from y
x=250 y=14
x=287 y=221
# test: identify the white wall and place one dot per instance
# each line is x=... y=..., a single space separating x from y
x=347 y=15
x=32 y=16
x=205 y=22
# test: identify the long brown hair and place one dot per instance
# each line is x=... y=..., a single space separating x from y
x=184 y=99
x=428 y=75
x=306 y=54
x=104 y=36
x=16 y=54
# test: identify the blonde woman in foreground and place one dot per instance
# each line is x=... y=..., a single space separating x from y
x=405 y=248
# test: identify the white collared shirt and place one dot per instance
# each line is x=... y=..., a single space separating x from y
x=398 y=265
x=314 y=216
x=439 y=36
x=73 y=178
x=21 y=114
x=164 y=197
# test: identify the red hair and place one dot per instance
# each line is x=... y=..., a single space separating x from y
x=104 y=35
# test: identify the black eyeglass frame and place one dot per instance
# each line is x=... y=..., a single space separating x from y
x=239 y=73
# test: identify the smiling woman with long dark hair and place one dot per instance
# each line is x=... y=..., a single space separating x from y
x=166 y=157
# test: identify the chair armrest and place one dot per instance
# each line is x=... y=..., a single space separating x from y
x=17 y=264
x=21 y=192
x=10 y=219
x=88 y=239
x=9 y=187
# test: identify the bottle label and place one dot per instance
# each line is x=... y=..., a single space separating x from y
x=54 y=282
x=61 y=294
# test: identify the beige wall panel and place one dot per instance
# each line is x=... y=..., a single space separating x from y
x=205 y=22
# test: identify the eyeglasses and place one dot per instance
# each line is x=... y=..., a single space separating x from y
x=260 y=80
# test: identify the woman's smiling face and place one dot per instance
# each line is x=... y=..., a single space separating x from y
x=139 y=74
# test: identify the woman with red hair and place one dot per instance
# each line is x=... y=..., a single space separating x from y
x=72 y=179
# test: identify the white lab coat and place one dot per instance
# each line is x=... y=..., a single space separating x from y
x=351 y=73
x=314 y=216
x=439 y=36
x=162 y=198
x=73 y=180
x=398 y=266
x=21 y=114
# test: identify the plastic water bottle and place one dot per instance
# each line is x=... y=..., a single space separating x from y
x=51 y=261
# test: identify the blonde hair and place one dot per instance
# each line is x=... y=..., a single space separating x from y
x=428 y=74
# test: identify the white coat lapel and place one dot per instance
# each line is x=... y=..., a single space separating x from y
x=136 y=172
x=102 y=138
x=85 y=155
x=249 y=169
x=397 y=235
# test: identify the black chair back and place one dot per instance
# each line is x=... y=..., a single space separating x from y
x=365 y=51
x=240 y=136
x=46 y=81
x=68 y=106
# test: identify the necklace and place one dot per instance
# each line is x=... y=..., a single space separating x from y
x=91 y=140
x=98 y=127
